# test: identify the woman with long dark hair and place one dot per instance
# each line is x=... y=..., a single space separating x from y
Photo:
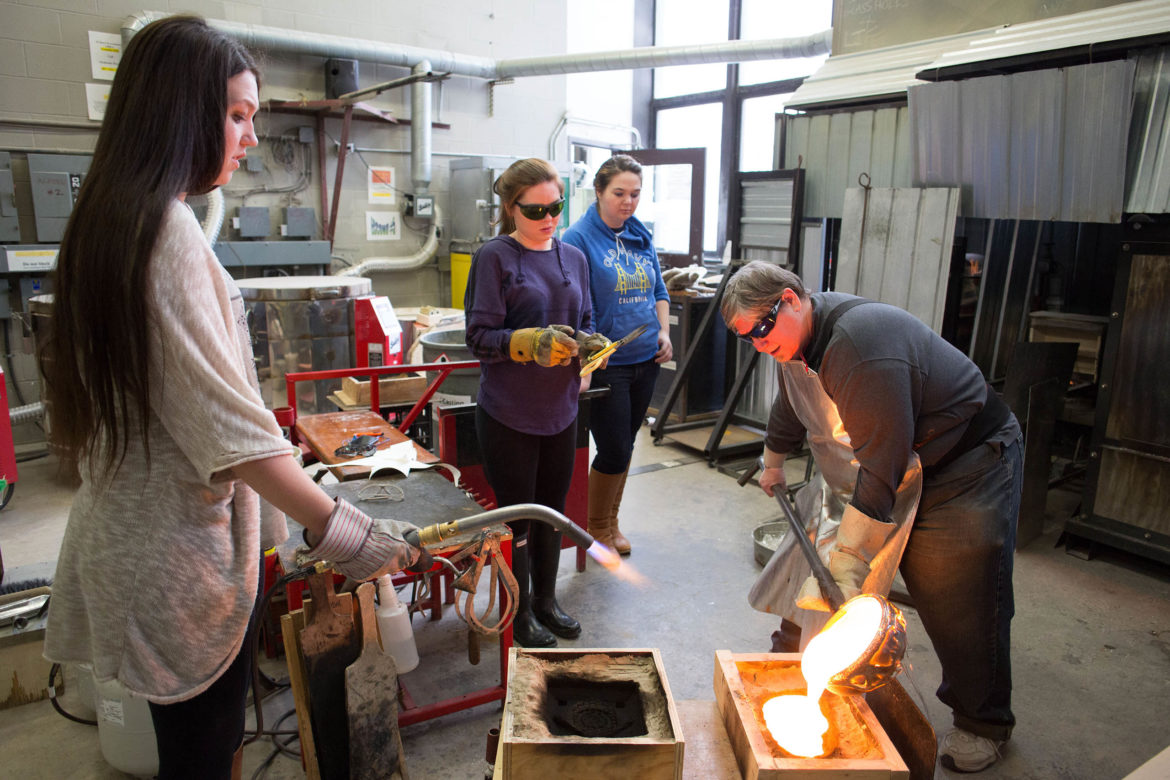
x=150 y=379
x=522 y=282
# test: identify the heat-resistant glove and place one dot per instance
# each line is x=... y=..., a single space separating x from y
x=589 y=343
x=551 y=346
x=363 y=548
x=859 y=538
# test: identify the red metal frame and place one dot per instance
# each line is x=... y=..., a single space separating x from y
x=287 y=416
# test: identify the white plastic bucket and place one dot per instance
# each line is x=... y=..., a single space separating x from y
x=125 y=730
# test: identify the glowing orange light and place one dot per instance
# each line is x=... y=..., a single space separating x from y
x=795 y=721
x=613 y=562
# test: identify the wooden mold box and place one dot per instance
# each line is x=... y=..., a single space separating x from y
x=528 y=751
x=391 y=390
x=860 y=748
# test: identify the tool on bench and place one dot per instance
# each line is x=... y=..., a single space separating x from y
x=882 y=658
x=361 y=445
x=596 y=359
x=371 y=699
x=485 y=549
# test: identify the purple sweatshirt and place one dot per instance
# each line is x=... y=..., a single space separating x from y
x=511 y=287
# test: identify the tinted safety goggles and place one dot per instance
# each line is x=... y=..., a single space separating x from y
x=536 y=212
x=763 y=325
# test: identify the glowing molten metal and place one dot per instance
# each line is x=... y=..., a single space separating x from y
x=796 y=721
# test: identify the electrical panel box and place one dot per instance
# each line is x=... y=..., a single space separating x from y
x=55 y=180
x=299 y=222
x=473 y=203
x=9 y=217
x=252 y=222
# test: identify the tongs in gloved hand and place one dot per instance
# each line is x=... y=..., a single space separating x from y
x=829 y=587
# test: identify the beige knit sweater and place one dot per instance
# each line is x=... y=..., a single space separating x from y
x=158 y=569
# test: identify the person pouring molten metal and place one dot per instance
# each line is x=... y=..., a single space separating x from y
x=920 y=470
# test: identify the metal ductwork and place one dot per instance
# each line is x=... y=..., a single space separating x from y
x=420 y=130
x=422 y=61
x=661 y=56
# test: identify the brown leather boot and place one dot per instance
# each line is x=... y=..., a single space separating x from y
x=620 y=542
x=602 y=489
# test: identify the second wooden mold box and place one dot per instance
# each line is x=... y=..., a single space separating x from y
x=859 y=747
x=581 y=714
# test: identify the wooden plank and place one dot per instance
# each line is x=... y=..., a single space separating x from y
x=290 y=630
x=900 y=263
x=324 y=433
x=371 y=700
x=329 y=645
x=849 y=244
x=709 y=753
x=879 y=219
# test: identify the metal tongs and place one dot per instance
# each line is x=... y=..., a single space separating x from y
x=600 y=355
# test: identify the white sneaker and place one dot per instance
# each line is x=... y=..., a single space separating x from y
x=963 y=751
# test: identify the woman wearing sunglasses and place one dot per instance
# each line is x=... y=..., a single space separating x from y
x=925 y=459
x=527 y=295
x=628 y=292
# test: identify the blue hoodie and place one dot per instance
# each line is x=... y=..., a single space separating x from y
x=625 y=282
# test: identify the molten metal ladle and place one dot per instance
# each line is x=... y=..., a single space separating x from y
x=882 y=657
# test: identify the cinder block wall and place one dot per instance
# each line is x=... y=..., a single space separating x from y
x=45 y=65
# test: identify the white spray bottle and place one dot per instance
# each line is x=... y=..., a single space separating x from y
x=394 y=627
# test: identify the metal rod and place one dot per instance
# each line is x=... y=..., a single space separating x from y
x=829 y=588
x=433 y=534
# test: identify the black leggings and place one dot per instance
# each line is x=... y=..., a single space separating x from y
x=198 y=738
x=525 y=468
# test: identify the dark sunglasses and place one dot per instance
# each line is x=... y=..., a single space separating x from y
x=763 y=325
x=534 y=212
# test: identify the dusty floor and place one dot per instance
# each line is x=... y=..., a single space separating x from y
x=1091 y=638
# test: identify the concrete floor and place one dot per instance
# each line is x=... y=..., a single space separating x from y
x=1091 y=639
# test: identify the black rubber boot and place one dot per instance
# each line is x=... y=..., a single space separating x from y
x=787 y=639
x=527 y=631
x=546 y=558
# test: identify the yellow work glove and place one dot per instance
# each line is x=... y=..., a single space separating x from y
x=859 y=538
x=590 y=343
x=551 y=346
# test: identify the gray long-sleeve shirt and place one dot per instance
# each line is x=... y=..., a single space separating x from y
x=898 y=386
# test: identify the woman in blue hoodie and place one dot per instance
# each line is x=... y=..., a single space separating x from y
x=627 y=290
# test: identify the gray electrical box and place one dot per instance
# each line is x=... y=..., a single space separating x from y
x=473 y=204
x=55 y=180
x=300 y=222
x=9 y=217
x=252 y=222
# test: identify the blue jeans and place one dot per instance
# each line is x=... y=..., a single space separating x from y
x=615 y=419
x=958 y=569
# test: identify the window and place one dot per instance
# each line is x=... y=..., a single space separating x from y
x=728 y=109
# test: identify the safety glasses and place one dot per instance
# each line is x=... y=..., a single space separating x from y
x=535 y=212
x=763 y=325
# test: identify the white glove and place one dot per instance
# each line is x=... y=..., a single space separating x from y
x=859 y=539
x=361 y=547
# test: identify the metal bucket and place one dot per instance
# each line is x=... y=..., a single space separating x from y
x=301 y=323
x=462 y=385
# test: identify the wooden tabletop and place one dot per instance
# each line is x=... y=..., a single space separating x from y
x=324 y=433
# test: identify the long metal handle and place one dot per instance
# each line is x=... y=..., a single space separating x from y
x=433 y=534
x=829 y=588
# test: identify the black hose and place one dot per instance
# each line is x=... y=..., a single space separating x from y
x=257 y=705
x=53 y=670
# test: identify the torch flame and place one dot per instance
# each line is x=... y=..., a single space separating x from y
x=608 y=558
x=795 y=721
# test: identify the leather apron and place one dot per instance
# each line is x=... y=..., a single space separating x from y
x=821 y=502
